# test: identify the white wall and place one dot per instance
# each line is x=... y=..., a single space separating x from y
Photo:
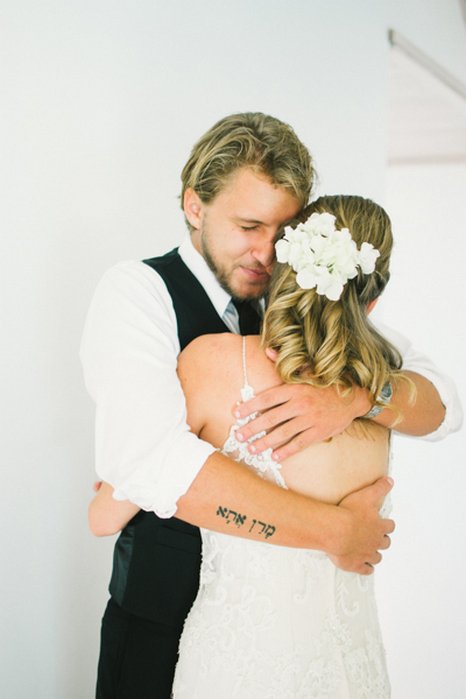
x=421 y=584
x=102 y=103
x=436 y=27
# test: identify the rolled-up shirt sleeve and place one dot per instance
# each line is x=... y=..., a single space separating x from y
x=129 y=351
x=418 y=362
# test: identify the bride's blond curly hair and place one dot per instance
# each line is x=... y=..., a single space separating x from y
x=333 y=343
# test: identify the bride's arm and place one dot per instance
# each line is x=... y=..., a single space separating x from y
x=108 y=516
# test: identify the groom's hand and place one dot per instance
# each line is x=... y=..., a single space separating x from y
x=365 y=532
x=295 y=415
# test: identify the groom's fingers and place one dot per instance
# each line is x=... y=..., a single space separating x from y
x=379 y=491
x=367 y=569
x=295 y=430
x=374 y=559
x=352 y=566
x=284 y=426
x=386 y=541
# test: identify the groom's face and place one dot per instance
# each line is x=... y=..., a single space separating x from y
x=235 y=232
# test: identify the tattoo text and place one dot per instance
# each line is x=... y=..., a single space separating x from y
x=266 y=530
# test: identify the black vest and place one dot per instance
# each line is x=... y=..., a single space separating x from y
x=156 y=561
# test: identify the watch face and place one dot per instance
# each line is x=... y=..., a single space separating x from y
x=385 y=396
x=386 y=392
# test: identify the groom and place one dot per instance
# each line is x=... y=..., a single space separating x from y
x=245 y=177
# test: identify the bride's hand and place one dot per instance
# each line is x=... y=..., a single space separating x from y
x=295 y=415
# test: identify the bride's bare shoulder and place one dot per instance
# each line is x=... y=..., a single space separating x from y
x=208 y=346
x=207 y=354
x=211 y=357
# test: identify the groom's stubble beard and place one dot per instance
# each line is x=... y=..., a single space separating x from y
x=224 y=275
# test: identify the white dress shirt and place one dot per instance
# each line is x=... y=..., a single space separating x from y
x=129 y=351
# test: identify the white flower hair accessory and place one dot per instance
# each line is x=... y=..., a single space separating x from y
x=324 y=257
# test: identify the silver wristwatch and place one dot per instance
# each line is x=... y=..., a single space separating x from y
x=385 y=396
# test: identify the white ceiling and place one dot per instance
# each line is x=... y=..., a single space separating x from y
x=427 y=109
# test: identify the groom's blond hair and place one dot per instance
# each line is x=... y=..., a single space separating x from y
x=264 y=144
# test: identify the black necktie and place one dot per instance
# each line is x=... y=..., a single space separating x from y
x=249 y=318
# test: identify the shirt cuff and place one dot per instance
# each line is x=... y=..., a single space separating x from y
x=181 y=466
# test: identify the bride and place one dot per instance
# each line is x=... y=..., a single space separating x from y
x=272 y=622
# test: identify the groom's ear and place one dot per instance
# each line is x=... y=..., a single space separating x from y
x=193 y=208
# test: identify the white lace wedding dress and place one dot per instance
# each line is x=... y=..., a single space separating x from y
x=271 y=622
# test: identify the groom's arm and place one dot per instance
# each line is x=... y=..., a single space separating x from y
x=228 y=498
x=297 y=415
x=144 y=447
x=145 y=450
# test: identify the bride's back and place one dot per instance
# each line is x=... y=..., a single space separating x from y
x=212 y=374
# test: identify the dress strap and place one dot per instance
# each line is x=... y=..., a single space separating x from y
x=246 y=383
x=263 y=462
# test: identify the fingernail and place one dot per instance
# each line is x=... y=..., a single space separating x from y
x=390 y=480
x=237 y=414
x=252 y=449
x=275 y=457
x=239 y=436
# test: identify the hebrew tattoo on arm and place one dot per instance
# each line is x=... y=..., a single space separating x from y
x=263 y=529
